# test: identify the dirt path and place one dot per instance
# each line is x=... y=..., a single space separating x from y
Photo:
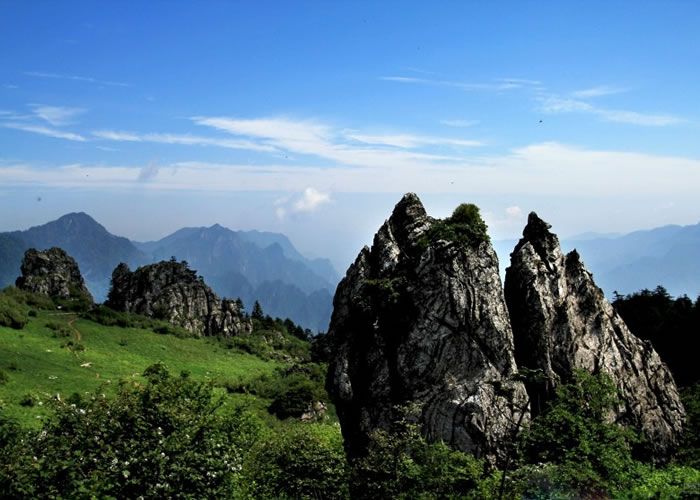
x=78 y=335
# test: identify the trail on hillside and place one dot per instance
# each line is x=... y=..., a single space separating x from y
x=78 y=335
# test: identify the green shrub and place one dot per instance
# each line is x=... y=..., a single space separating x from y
x=465 y=227
x=302 y=461
x=28 y=399
x=169 y=438
x=402 y=464
x=12 y=313
x=4 y=377
x=588 y=456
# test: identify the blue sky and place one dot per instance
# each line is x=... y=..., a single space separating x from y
x=312 y=118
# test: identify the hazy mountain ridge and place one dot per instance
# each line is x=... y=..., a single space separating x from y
x=251 y=265
x=627 y=263
x=96 y=250
x=255 y=266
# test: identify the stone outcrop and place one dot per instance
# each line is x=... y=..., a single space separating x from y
x=54 y=273
x=422 y=321
x=170 y=291
x=562 y=322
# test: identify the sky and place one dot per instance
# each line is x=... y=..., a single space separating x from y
x=313 y=118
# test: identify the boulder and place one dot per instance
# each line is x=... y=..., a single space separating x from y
x=54 y=273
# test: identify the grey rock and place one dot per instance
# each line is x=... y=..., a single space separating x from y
x=426 y=324
x=52 y=272
x=169 y=290
x=562 y=322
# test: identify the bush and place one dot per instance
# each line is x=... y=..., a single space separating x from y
x=402 y=464
x=588 y=456
x=4 y=377
x=28 y=399
x=304 y=461
x=465 y=228
x=12 y=313
x=168 y=438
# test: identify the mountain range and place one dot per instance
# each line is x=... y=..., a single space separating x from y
x=250 y=265
x=627 y=263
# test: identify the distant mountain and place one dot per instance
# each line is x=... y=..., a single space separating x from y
x=251 y=265
x=255 y=266
x=667 y=256
x=96 y=251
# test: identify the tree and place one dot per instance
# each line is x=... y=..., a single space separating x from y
x=586 y=455
x=257 y=311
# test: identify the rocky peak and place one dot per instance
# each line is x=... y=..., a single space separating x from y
x=171 y=291
x=424 y=322
x=562 y=322
x=52 y=272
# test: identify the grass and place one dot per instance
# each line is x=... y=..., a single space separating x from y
x=36 y=364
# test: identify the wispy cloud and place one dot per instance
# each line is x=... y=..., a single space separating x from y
x=520 y=81
x=322 y=141
x=184 y=139
x=149 y=171
x=86 y=79
x=556 y=104
x=599 y=91
x=541 y=169
x=459 y=123
x=56 y=115
x=410 y=141
x=498 y=85
x=38 y=129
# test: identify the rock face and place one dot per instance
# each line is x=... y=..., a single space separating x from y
x=169 y=290
x=562 y=322
x=52 y=272
x=424 y=322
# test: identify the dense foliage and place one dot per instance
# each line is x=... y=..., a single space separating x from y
x=165 y=439
x=465 y=227
x=670 y=324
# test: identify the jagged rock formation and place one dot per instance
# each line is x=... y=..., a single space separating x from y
x=418 y=321
x=52 y=272
x=169 y=290
x=562 y=321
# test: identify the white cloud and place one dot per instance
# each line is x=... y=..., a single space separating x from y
x=56 y=115
x=316 y=139
x=599 y=91
x=86 y=79
x=542 y=169
x=514 y=211
x=635 y=118
x=556 y=104
x=311 y=200
x=410 y=141
x=185 y=139
x=38 y=129
x=501 y=84
x=459 y=123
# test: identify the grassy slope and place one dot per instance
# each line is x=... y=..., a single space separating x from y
x=35 y=362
